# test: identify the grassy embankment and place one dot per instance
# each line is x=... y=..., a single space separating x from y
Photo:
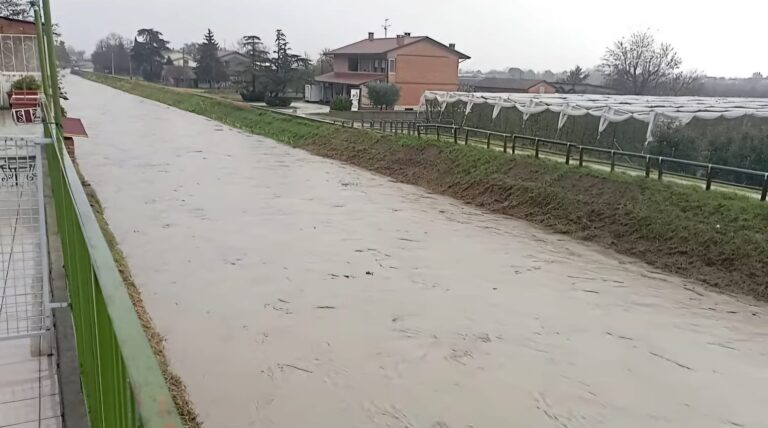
x=718 y=238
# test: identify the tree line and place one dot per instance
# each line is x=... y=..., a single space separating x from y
x=266 y=75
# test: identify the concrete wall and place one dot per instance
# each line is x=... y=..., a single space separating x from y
x=423 y=66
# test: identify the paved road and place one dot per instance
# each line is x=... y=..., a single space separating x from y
x=297 y=291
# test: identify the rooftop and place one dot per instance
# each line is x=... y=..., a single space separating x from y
x=507 y=83
x=383 y=45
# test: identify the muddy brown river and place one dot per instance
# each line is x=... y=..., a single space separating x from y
x=296 y=291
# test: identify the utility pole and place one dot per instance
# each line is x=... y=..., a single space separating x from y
x=386 y=26
x=113 y=61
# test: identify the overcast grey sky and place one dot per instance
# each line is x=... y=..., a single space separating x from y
x=724 y=38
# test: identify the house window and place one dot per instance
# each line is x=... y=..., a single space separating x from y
x=353 y=64
x=392 y=67
x=379 y=65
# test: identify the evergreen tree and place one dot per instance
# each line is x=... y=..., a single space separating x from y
x=147 y=53
x=284 y=66
x=209 y=67
x=258 y=59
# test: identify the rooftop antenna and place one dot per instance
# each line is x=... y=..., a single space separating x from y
x=386 y=26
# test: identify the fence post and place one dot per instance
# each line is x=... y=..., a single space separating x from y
x=514 y=143
x=581 y=155
x=661 y=167
x=488 y=141
x=536 y=148
x=455 y=135
x=466 y=137
x=613 y=160
x=765 y=188
x=647 y=166
x=418 y=131
x=568 y=154
x=709 y=177
x=437 y=131
x=505 y=143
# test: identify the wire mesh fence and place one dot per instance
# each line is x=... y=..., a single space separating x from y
x=24 y=283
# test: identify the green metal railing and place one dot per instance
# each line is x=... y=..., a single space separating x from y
x=121 y=379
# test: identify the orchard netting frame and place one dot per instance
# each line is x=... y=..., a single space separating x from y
x=606 y=109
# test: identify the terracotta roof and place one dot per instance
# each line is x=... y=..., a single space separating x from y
x=73 y=127
x=384 y=45
x=507 y=83
x=349 y=78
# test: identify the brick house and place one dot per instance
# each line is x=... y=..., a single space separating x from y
x=414 y=63
x=18 y=53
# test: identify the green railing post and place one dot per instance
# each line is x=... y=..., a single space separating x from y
x=53 y=68
x=764 y=193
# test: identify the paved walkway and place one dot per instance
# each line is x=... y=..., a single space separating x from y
x=298 y=291
x=29 y=393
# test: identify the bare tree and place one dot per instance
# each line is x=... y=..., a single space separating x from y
x=682 y=83
x=637 y=65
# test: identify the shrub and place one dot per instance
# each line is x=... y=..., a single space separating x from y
x=28 y=83
x=383 y=94
x=252 y=96
x=278 y=101
x=342 y=103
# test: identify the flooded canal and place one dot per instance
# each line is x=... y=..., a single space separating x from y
x=295 y=291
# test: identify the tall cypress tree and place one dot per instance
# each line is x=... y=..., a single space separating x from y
x=209 y=67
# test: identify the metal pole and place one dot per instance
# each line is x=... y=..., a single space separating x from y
x=647 y=166
x=52 y=65
x=709 y=178
x=581 y=156
x=536 y=148
x=661 y=167
x=488 y=141
x=765 y=188
x=613 y=160
x=568 y=154
x=42 y=54
x=505 y=143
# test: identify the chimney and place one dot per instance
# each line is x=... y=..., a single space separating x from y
x=452 y=46
x=400 y=40
x=370 y=36
x=407 y=34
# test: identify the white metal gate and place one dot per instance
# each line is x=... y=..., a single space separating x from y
x=24 y=282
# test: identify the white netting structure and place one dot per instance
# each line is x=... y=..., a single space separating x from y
x=609 y=108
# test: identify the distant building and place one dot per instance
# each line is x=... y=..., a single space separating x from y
x=18 y=53
x=414 y=63
x=510 y=85
x=236 y=64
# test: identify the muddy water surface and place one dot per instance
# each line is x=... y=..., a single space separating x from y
x=295 y=291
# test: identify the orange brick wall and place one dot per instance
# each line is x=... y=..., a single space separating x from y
x=537 y=89
x=423 y=66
